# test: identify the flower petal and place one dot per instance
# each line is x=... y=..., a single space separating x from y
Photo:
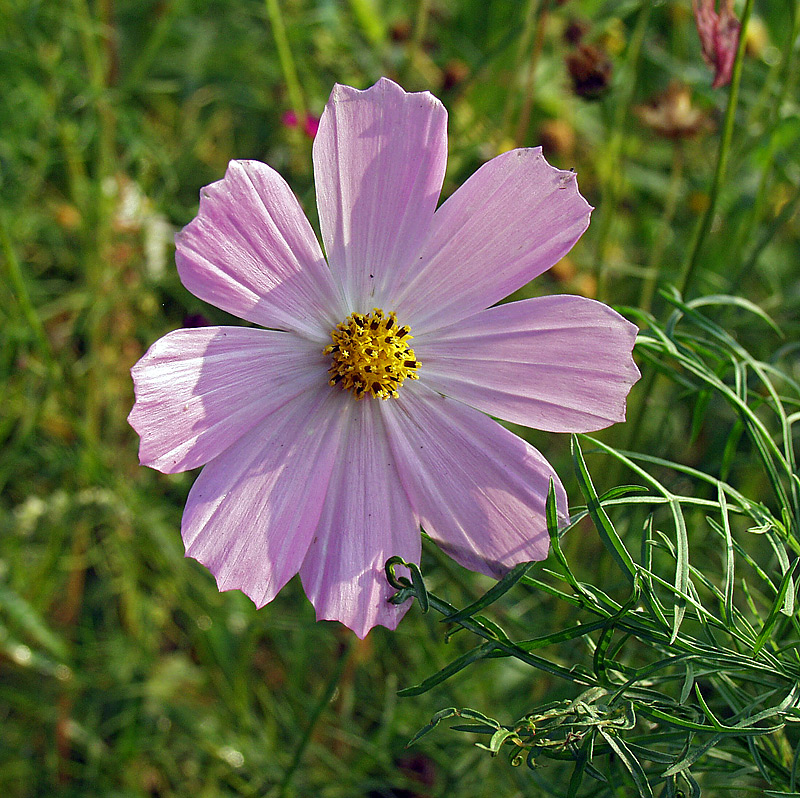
x=557 y=363
x=199 y=390
x=366 y=520
x=479 y=490
x=253 y=510
x=252 y=252
x=512 y=220
x=379 y=161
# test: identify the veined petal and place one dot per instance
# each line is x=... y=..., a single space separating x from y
x=253 y=510
x=479 y=490
x=379 y=161
x=199 y=390
x=366 y=519
x=251 y=251
x=556 y=363
x=511 y=221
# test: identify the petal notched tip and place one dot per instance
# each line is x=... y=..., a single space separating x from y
x=362 y=626
x=565 y=179
x=382 y=90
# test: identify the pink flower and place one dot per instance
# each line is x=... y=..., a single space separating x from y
x=310 y=122
x=326 y=438
x=719 y=37
x=311 y=125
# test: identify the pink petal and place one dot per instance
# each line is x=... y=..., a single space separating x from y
x=199 y=390
x=556 y=363
x=253 y=510
x=252 y=252
x=366 y=520
x=479 y=490
x=379 y=161
x=719 y=37
x=512 y=220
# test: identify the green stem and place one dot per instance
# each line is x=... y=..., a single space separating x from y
x=524 y=43
x=420 y=24
x=670 y=206
x=786 y=213
x=722 y=158
x=165 y=19
x=611 y=179
x=286 y=60
x=782 y=70
x=320 y=706
x=769 y=121
x=17 y=281
x=529 y=91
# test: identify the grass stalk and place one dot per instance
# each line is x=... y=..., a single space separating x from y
x=522 y=48
x=530 y=87
x=704 y=225
x=286 y=60
x=319 y=708
x=611 y=177
x=420 y=25
x=665 y=225
x=20 y=288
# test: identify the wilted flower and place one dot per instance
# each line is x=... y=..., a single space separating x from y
x=672 y=114
x=719 y=37
x=455 y=72
x=327 y=438
x=590 y=69
x=574 y=31
x=557 y=137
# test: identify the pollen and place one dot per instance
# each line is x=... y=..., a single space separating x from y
x=370 y=355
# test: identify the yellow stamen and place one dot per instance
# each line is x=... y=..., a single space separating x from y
x=370 y=355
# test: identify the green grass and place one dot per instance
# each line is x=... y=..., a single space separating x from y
x=656 y=648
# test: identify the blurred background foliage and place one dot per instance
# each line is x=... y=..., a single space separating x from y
x=122 y=671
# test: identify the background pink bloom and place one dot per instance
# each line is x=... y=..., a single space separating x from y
x=719 y=37
x=299 y=476
x=310 y=122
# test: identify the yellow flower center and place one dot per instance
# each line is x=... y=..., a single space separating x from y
x=370 y=355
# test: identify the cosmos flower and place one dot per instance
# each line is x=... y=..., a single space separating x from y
x=719 y=37
x=357 y=415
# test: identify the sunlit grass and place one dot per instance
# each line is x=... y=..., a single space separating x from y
x=123 y=671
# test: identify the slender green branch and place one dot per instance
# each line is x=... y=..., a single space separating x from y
x=420 y=24
x=608 y=200
x=319 y=708
x=722 y=158
x=17 y=281
x=541 y=15
x=285 y=57
x=664 y=228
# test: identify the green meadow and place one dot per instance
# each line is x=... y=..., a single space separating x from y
x=655 y=652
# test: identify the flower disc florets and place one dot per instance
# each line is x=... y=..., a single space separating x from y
x=371 y=355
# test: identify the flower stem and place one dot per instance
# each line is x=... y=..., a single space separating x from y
x=662 y=236
x=285 y=58
x=722 y=158
x=324 y=700
x=19 y=286
x=769 y=122
x=611 y=177
x=420 y=24
x=527 y=100
x=785 y=214
x=522 y=48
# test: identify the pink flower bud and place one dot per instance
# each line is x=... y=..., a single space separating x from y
x=719 y=37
